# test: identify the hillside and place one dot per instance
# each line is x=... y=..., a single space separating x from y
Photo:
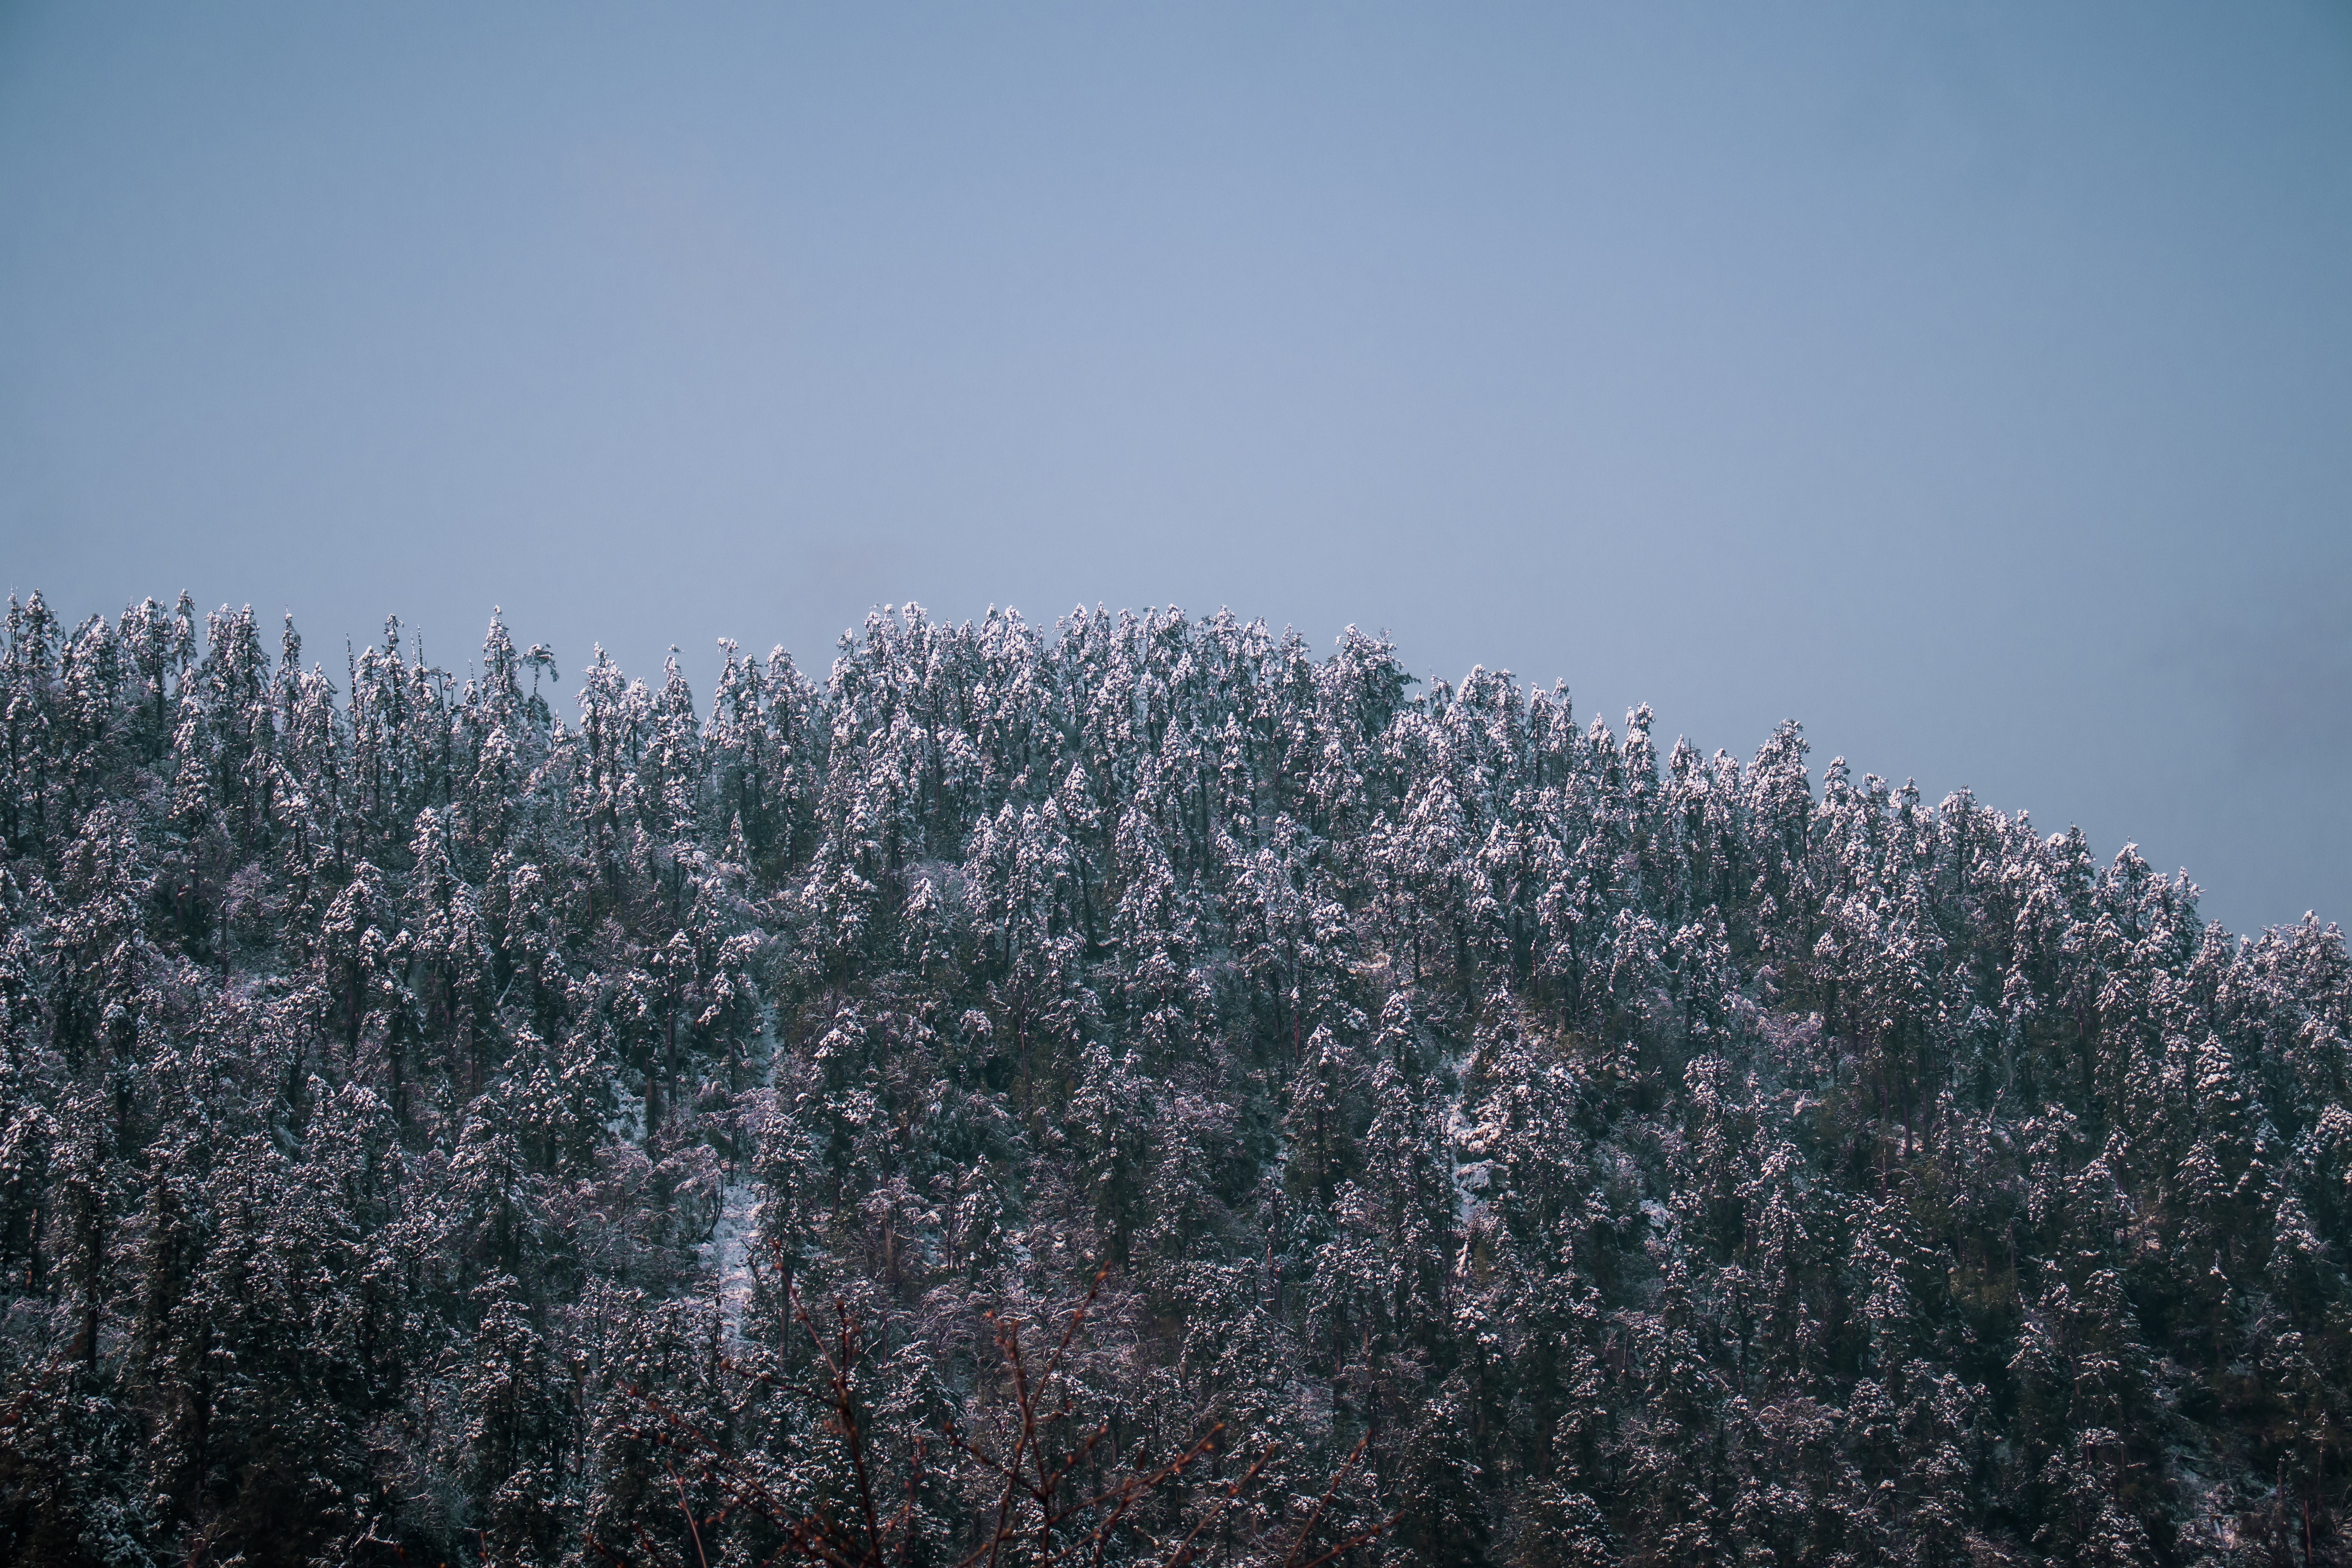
x=423 y=1095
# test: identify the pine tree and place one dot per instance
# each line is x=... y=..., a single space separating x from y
x=420 y=1119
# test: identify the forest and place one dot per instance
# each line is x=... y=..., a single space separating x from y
x=1140 y=1091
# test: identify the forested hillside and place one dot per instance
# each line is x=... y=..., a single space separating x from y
x=423 y=1093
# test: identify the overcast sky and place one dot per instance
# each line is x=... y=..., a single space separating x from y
x=1972 y=383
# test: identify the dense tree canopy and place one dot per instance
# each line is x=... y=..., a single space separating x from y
x=423 y=1096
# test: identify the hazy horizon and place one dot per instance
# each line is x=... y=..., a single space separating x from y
x=1972 y=388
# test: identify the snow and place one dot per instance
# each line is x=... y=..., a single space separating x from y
x=727 y=1254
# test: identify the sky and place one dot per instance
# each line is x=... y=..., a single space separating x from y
x=1973 y=385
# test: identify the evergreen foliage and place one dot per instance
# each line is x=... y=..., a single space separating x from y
x=425 y=1099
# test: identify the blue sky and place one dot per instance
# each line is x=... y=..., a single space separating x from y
x=1974 y=384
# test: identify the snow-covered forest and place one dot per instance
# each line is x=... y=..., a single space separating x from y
x=423 y=1095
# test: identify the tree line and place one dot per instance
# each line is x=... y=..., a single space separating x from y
x=440 y=1111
